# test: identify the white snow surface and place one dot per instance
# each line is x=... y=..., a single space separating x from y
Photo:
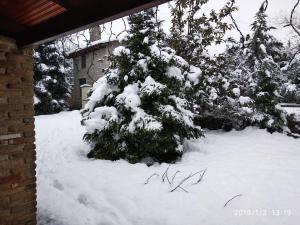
x=129 y=97
x=93 y=43
x=194 y=74
x=142 y=120
x=74 y=190
x=150 y=86
x=36 y=100
x=245 y=100
x=100 y=89
x=236 y=91
x=291 y=87
x=291 y=111
x=118 y=51
x=143 y=64
x=101 y=118
x=175 y=72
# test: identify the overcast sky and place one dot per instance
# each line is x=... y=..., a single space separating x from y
x=246 y=11
x=244 y=17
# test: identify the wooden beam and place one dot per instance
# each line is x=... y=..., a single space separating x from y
x=67 y=4
x=83 y=17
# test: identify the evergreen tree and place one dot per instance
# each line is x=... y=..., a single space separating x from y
x=259 y=69
x=263 y=55
x=290 y=87
x=222 y=97
x=192 y=32
x=138 y=110
x=242 y=85
x=50 y=79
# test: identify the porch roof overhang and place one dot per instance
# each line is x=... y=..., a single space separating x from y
x=35 y=21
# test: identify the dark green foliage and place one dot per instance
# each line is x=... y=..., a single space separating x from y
x=50 y=80
x=260 y=68
x=143 y=112
x=191 y=34
x=290 y=85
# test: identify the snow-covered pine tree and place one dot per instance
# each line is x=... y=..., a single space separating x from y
x=263 y=56
x=238 y=87
x=222 y=98
x=192 y=32
x=138 y=110
x=290 y=87
x=259 y=68
x=50 y=79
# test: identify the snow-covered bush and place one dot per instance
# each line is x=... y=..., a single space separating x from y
x=290 y=88
x=260 y=71
x=244 y=85
x=139 y=109
x=263 y=55
x=221 y=100
x=193 y=31
x=51 y=87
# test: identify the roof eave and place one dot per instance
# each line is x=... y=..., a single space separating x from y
x=89 y=49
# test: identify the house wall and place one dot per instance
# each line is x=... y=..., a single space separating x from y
x=17 y=149
x=96 y=62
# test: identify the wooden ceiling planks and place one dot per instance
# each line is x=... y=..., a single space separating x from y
x=45 y=10
x=30 y=12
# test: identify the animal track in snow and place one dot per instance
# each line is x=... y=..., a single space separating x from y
x=58 y=185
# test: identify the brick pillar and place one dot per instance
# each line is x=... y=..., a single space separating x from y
x=17 y=149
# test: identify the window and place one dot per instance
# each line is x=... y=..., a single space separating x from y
x=83 y=61
x=82 y=81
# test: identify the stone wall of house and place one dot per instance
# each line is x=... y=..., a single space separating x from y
x=96 y=62
x=17 y=149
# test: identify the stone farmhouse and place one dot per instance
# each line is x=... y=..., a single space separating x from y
x=89 y=64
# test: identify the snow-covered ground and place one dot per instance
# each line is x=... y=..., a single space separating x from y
x=74 y=190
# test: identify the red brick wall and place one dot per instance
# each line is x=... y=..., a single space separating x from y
x=17 y=149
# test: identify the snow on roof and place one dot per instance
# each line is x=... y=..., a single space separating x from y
x=92 y=46
x=102 y=41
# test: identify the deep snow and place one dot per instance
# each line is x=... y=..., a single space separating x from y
x=74 y=190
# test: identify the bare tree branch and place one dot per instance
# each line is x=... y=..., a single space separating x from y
x=291 y=22
x=184 y=189
x=184 y=180
x=173 y=177
x=124 y=30
x=165 y=175
x=266 y=5
x=201 y=177
x=237 y=27
x=147 y=181
x=294 y=56
x=239 y=195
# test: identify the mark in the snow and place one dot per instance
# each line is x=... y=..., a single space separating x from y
x=239 y=195
x=84 y=200
x=46 y=218
x=58 y=185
